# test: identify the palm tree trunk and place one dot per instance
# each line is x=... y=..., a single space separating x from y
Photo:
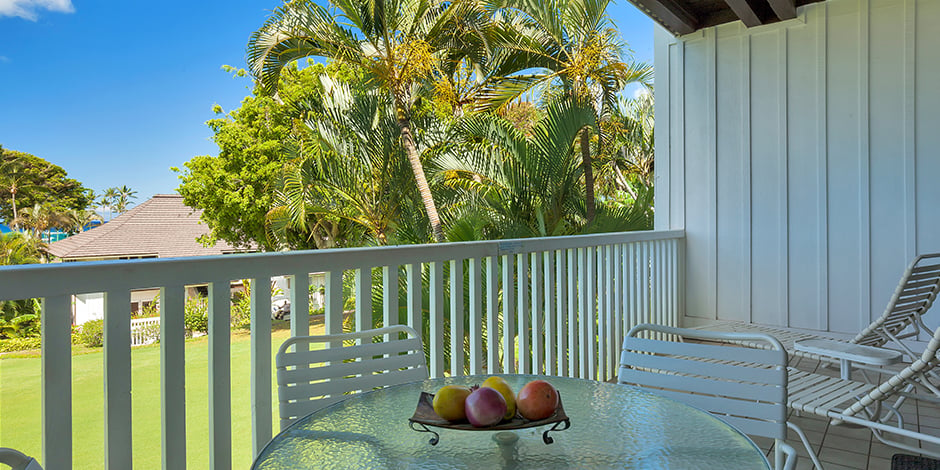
x=588 y=174
x=407 y=141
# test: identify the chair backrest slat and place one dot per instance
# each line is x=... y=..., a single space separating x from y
x=746 y=387
x=315 y=375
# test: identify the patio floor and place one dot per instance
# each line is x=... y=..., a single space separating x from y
x=850 y=448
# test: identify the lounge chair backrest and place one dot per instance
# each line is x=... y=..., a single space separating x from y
x=18 y=460
x=916 y=292
x=309 y=379
x=926 y=363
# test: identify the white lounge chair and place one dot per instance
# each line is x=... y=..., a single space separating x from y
x=901 y=319
x=749 y=395
x=308 y=380
x=874 y=406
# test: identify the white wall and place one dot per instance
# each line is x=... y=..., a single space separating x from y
x=802 y=159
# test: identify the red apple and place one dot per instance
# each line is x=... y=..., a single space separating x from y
x=537 y=400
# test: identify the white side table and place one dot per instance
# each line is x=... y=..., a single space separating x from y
x=847 y=353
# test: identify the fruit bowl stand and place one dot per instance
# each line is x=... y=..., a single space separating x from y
x=425 y=416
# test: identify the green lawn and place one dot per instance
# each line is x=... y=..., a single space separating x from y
x=20 y=410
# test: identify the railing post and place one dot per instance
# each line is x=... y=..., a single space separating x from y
x=389 y=296
x=413 y=273
x=551 y=308
x=261 y=411
x=509 y=316
x=220 y=376
x=333 y=305
x=173 y=377
x=436 y=320
x=117 y=381
x=522 y=281
x=492 y=315
x=538 y=322
x=476 y=316
x=363 y=299
x=300 y=305
x=456 y=317
x=56 y=382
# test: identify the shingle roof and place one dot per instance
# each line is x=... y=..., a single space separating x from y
x=162 y=226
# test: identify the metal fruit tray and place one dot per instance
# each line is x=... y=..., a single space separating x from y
x=425 y=416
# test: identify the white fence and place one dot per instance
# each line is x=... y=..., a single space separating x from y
x=564 y=303
x=144 y=331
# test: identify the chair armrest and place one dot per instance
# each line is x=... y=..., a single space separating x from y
x=849 y=351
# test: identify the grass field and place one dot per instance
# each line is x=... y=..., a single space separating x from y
x=20 y=408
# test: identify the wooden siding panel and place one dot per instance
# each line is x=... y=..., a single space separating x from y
x=734 y=174
x=700 y=189
x=844 y=168
x=805 y=191
x=887 y=184
x=927 y=169
x=768 y=173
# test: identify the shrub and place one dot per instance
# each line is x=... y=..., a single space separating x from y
x=92 y=334
x=196 y=315
x=19 y=344
x=241 y=311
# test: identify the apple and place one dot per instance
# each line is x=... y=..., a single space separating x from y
x=537 y=400
x=485 y=407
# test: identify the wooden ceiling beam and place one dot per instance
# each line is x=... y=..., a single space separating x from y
x=785 y=9
x=745 y=11
x=669 y=13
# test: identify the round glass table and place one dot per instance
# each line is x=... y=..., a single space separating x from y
x=612 y=426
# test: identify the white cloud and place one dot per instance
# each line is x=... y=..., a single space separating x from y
x=29 y=9
x=640 y=92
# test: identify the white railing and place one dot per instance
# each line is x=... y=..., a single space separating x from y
x=564 y=303
x=142 y=331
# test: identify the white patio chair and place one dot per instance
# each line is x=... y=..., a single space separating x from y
x=309 y=379
x=869 y=405
x=901 y=319
x=18 y=460
x=750 y=396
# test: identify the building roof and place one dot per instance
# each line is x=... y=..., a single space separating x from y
x=160 y=227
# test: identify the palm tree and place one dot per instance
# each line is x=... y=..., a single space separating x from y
x=12 y=179
x=124 y=195
x=347 y=187
x=15 y=248
x=526 y=187
x=109 y=199
x=79 y=219
x=569 y=43
x=401 y=44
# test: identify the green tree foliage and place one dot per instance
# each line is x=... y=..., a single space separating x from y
x=350 y=186
x=27 y=180
x=403 y=45
x=568 y=44
x=234 y=189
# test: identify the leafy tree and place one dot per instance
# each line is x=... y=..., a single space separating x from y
x=234 y=189
x=568 y=43
x=402 y=44
x=27 y=180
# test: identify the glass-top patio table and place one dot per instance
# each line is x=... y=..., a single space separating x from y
x=612 y=426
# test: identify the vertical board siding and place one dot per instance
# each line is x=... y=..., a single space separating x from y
x=812 y=142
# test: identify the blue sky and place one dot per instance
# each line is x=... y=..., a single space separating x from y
x=116 y=93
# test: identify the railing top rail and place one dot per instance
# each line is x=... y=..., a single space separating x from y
x=43 y=280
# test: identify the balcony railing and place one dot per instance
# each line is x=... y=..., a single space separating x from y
x=556 y=306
